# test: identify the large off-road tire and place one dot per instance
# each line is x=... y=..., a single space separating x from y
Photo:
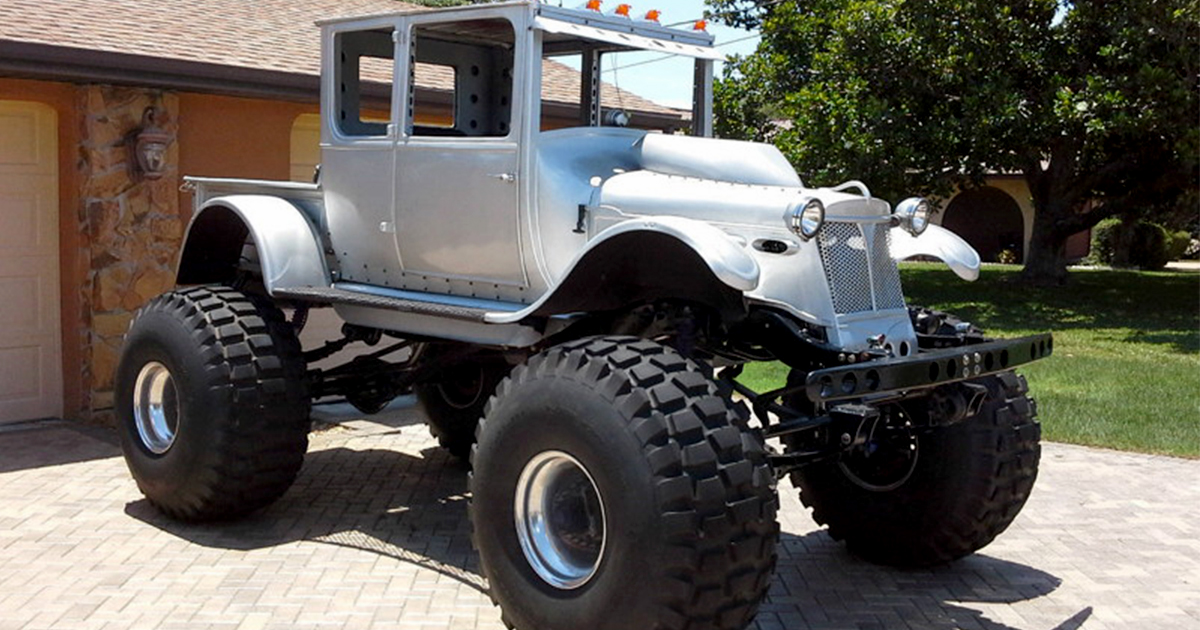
x=454 y=402
x=614 y=488
x=966 y=485
x=212 y=403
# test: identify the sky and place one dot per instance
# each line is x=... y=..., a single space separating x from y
x=667 y=80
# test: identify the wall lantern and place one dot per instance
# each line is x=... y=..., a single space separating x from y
x=150 y=145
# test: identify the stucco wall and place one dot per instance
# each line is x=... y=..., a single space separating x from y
x=222 y=136
x=1014 y=187
x=1078 y=245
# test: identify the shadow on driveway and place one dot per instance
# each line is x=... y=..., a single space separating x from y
x=414 y=509
x=57 y=443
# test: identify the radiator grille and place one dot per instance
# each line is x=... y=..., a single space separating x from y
x=859 y=268
x=888 y=293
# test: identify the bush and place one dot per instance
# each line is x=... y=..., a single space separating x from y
x=1104 y=242
x=1131 y=244
x=1149 y=247
x=1178 y=243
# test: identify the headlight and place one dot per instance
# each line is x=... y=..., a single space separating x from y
x=807 y=217
x=912 y=214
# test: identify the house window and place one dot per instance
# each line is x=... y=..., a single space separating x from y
x=462 y=78
x=365 y=70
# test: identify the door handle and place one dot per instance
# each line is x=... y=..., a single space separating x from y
x=507 y=178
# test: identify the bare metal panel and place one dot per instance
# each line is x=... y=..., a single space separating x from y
x=457 y=213
x=720 y=160
x=288 y=246
x=358 y=203
x=940 y=243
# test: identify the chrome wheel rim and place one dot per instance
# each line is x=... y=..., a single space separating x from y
x=156 y=408
x=560 y=520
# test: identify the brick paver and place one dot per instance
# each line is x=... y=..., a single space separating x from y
x=375 y=535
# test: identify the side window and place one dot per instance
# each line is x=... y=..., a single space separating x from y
x=365 y=61
x=461 y=79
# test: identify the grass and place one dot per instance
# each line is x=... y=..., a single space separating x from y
x=1125 y=373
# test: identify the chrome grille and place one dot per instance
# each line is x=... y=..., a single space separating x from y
x=844 y=255
x=859 y=267
x=884 y=272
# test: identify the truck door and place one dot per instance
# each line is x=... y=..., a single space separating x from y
x=457 y=180
x=358 y=139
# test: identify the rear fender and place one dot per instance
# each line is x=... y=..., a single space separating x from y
x=289 y=251
x=646 y=259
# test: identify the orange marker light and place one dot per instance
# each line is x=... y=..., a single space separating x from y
x=593 y=5
x=700 y=25
x=652 y=15
x=623 y=10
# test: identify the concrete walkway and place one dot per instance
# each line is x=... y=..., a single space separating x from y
x=374 y=535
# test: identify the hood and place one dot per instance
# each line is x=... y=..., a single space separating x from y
x=647 y=192
x=732 y=161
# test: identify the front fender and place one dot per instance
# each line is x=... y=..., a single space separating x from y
x=725 y=258
x=289 y=252
x=940 y=243
x=652 y=253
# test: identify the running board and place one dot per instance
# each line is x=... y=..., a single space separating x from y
x=334 y=295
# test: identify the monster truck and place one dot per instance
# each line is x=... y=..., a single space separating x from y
x=572 y=308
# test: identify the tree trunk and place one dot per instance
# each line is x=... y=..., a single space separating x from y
x=1045 y=260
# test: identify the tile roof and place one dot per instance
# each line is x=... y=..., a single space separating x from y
x=273 y=35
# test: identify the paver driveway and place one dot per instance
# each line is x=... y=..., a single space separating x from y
x=375 y=535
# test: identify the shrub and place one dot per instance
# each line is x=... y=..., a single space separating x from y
x=1178 y=243
x=1130 y=244
x=1007 y=256
x=1148 y=249
x=1105 y=235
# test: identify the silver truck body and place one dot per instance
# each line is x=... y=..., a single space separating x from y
x=572 y=310
x=498 y=223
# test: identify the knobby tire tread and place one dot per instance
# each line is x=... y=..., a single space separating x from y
x=714 y=483
x=997 y=490
x=252 y=356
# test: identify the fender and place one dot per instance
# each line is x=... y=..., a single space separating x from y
x=698 y=258
x=940 y=243
x=289 y=252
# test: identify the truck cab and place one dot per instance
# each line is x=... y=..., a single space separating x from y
x=461 y=214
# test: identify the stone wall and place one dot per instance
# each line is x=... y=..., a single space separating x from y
x=132 y=227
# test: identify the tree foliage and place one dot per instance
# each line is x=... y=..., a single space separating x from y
x=1095 y=103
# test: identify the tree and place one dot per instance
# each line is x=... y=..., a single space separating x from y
x=1094 y=103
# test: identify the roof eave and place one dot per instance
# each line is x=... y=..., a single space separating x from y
x=43 y=61
x=77 y=65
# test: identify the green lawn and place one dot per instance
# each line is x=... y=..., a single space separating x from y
x=1125 y=372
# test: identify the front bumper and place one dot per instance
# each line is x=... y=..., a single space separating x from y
x=926 y=369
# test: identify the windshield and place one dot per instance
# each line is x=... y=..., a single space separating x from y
x=598 y=53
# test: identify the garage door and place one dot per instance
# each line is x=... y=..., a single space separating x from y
x=30 y=352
